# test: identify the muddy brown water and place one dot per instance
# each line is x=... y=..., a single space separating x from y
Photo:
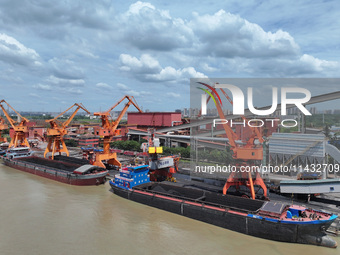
x=41 y=216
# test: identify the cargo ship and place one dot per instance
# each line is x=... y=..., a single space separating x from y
x=63 y=169
x=264 y=219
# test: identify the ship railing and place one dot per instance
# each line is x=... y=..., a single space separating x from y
x=196 y=200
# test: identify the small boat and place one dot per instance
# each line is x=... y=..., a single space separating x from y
x=63 y=169
x=18 y=152
x=265 y=219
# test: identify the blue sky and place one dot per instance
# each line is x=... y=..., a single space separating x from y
x=56 y=53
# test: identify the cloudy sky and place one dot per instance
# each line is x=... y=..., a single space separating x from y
x=56 y=53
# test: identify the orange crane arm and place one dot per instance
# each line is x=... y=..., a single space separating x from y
x=115 y=105
x=114 y=124
x=254 y=129
x=104 y=115
x=230 y=133
x=9 y=118
x=67 y=122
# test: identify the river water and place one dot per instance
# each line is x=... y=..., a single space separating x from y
x=41 y=216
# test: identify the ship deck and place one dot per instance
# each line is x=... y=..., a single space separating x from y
x=56 y=164
x=264 y=209
x=202 y=196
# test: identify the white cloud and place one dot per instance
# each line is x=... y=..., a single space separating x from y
x=301 y=66
x=136 y=93
x=318 y=65
x=102 y=85
x=138 y=6
x=66 y=69
x=34 y=95
x=171 y=74
x=146 y=27
x=227 y=35
x=58 y=86
x=172 y=94
x=43 y=87
x=206 y=67
x=75 y=13
x=148 y=69
x=12 y=51
x=59 y=48
x=122 y=86
x=145 y=64
x=72 y=91
x=132 y=92
x=65 y=82
x=225 y=42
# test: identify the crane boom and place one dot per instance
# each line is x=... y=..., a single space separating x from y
x=57 y=131
x=247 y=152
x=67 y=122
x=20 y=128
x=130 y=98
x=127 y=105
x=9 y=118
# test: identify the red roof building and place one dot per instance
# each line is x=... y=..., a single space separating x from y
x=154 y=119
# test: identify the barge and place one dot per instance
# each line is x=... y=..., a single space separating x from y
x=63 y=169
x=264 y=219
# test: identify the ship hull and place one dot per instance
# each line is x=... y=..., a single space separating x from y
x=55 y=174
x=234 y=220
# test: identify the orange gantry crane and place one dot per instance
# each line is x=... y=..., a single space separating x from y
x=108 y=130
x=245 y=153
x=3 y=126
x=19 y=126
x=57 y=131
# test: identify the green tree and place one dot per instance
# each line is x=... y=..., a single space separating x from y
x=71 y=143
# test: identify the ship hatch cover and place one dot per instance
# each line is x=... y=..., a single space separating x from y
x=86 y=168
x=272 y=207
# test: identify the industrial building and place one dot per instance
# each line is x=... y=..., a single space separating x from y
x=146 y=120
x=88 y=141
x=296 y=149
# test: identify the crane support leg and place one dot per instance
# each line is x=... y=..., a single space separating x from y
x=48 y=147
x=230 y=182
x=54 y=146
x=235 y=181
x=252 y=191
x=19 y=140
x=64 y=149
x=110 y=158
x=53 y=149
x=259 y=181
